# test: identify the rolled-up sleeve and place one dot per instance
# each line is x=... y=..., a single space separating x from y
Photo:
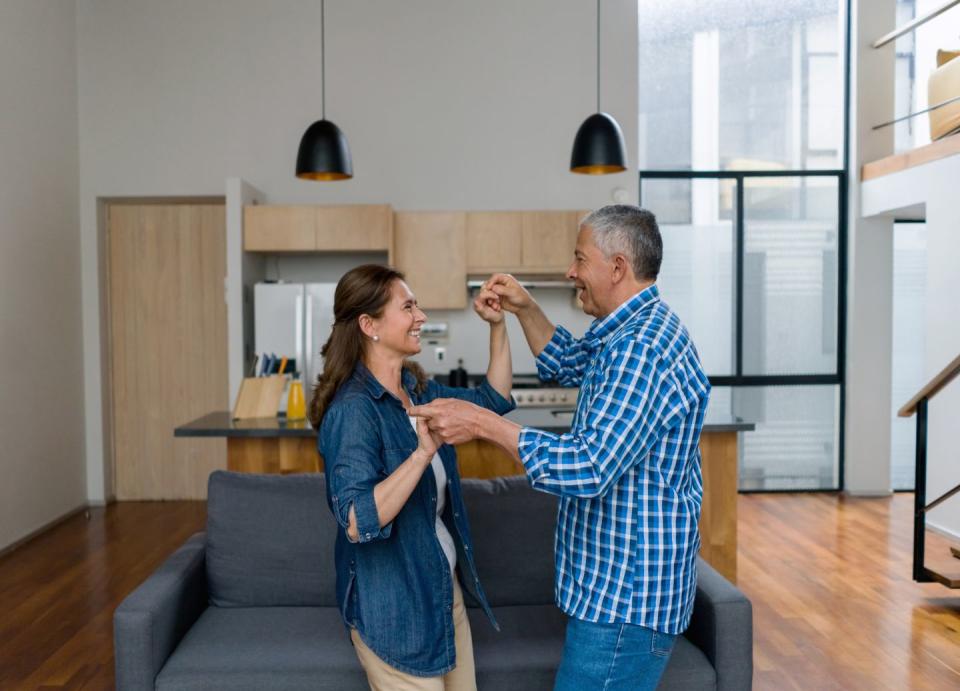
x=564 y=358
x=483 y=395
x=352 y=453
x=637 y=402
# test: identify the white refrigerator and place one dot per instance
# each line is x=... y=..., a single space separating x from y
x=293 y=320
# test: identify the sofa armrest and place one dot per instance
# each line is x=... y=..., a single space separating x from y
x=151 y=620
x=722 y=627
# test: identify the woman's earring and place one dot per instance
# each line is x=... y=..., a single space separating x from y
x=376 y=338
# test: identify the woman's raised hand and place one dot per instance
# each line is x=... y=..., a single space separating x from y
x=487 y=305
x=510 y=295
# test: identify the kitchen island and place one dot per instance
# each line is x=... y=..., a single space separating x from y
x=275 y=445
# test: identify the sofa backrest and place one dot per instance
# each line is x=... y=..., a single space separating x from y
x=513 y=530
x=270 y=541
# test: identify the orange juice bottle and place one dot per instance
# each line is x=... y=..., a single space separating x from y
x=296 y=405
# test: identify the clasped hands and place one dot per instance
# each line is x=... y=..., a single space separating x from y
x=500 y=293
x=450 y=420
x=454 y=421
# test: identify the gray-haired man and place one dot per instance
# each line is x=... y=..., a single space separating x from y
x=628 y=472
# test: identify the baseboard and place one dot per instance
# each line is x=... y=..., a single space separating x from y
x=940 y=530
x=868 y=494
x=44 y=528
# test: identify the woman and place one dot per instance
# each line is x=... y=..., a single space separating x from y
x=404 y=549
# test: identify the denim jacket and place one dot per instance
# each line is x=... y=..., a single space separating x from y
x=394 y=584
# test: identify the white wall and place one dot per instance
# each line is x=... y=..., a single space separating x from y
x=447 y=104
x=870 y=260
x=41 y=381
x=933 y=186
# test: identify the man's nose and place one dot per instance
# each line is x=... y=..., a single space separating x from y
x=571 y=272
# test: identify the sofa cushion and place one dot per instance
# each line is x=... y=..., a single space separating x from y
x=525 y=654
x=270 y=541
x=264 y=648
x=513 y=530
x=688 y=669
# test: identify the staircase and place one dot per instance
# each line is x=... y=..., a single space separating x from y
x=945 y=571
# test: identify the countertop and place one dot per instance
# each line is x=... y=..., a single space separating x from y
x=219 y=424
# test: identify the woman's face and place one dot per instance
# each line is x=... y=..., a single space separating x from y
x=399 y=325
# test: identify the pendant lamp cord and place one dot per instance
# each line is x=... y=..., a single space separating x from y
x=598 y=56
x=323 y=64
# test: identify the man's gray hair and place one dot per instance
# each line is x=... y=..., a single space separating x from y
x=630 y=231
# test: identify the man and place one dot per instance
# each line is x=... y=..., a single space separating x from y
x=628 y=472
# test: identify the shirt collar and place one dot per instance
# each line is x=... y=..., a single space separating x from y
x=601 y=329
x=373 y=385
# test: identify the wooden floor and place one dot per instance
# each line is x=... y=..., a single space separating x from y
x=58 y=591
x=834 y=606
x=833 y=600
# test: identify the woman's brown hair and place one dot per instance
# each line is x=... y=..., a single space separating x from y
x=363 y=290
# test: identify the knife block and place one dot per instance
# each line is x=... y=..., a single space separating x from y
x=259 y=397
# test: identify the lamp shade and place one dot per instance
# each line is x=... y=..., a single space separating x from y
x=598 y=148
x=324 y=153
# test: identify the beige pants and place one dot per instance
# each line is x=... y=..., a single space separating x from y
x=383 y=677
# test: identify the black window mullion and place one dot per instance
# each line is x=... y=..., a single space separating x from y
x=738 y=321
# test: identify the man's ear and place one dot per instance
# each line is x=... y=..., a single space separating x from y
x=621 y=269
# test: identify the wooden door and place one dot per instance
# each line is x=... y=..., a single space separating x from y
x=167 y=344
x=430 y=249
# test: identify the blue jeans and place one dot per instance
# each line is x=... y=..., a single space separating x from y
x=612 y=657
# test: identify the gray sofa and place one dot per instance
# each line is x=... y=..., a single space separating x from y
x=250 y=603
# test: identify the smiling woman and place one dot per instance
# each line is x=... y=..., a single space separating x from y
x=403 y=540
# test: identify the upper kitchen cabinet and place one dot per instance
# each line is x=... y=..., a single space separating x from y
x=494 y=241
x=356 y=228
x=431 y=250
x=279 y=228
x=548 y=239
x=521 y=242
x=367 y=227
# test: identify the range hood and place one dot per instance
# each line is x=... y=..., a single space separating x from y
x=476 y=284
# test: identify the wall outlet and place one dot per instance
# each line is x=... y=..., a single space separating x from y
x=439 y=354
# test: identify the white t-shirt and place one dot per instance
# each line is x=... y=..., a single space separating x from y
x=443 y=535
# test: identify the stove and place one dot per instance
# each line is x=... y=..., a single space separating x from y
x=530 y=392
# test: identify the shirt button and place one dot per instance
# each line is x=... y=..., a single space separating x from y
x=456 y=515
x=367 y=536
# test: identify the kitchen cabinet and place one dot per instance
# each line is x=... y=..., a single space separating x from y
x=431 y=250
x=548 y=240
x=366 y=227
x=292 y=228
x=494 y=241
x=521 y=242
x=279 y=229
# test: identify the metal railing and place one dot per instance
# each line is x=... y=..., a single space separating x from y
x=897 y=33
x=913 y=24
x=918 y=405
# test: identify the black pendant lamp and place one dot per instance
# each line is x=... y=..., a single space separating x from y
x=324 y=153
x=598 y=148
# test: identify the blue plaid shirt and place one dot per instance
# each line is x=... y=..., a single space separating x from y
x=628 y=472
